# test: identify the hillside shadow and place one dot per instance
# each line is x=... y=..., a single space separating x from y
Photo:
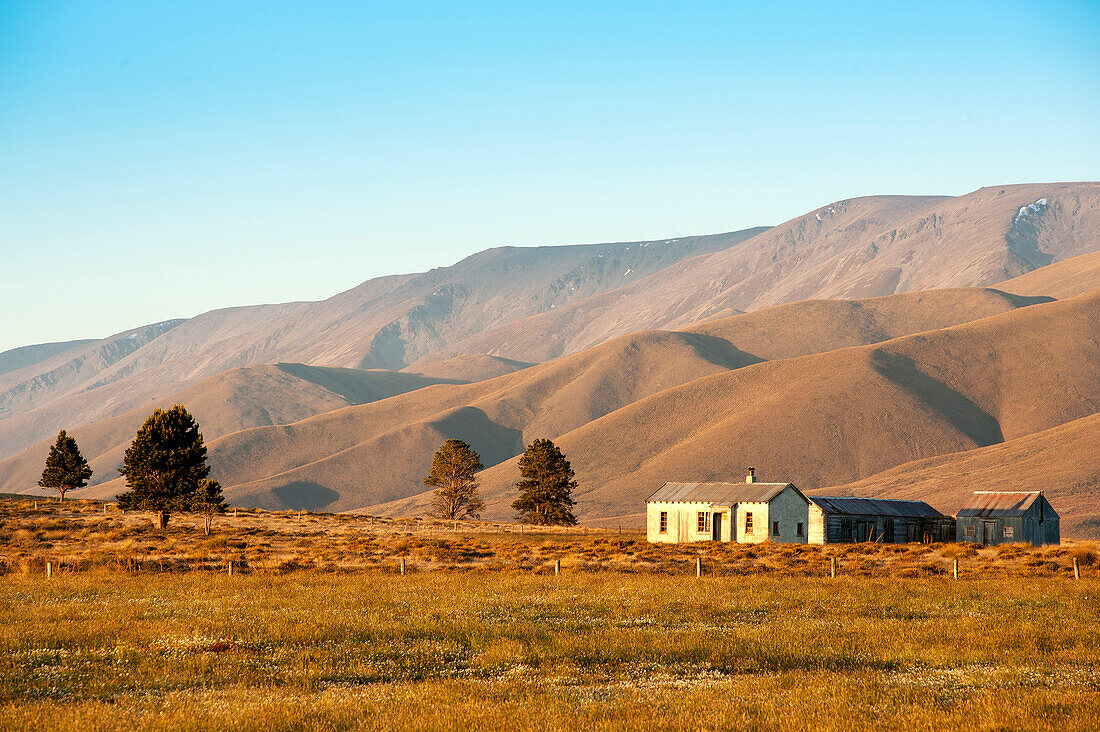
x=961 y=412
x=303 y=495
x=721 y=352
x=495 y=443
x=1021 y=301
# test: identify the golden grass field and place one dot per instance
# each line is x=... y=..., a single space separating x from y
x=317 y=630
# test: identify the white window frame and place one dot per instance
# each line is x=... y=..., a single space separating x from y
x=702 y=517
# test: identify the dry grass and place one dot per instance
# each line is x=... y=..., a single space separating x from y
x=315 y=630
x=453 y=650
x=78 y=536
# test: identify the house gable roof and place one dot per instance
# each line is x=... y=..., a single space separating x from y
x=719 y=492
x=855 y=506
x=1003 y=504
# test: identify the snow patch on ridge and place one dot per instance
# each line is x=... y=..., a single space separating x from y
x=1037 y=207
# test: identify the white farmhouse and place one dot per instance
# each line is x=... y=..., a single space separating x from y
x=748 y=512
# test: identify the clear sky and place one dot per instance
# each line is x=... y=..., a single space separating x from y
x=160 y=159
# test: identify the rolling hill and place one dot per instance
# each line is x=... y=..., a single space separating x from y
x=855 y=412
x=387 y=322
x=1069 y=278
x=534 y=304
x=325 y=456
x=827 y=390
x=1062 y=461
x=233 y=400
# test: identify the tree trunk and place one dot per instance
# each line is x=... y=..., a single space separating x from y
x=209 y=519
x=60 y=495
x=162 y=520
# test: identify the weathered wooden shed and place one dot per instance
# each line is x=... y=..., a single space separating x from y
x=996 y=517
x=843 y=519
x=748 y=512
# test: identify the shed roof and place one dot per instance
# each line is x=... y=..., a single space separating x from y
x=995 y=503
x=854 y=506
x=718 y=492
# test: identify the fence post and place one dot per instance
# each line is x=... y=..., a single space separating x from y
x=1076 y=569
x=832 y=567
x=956 y=570
x=104 y=508
x=557 y=567
x=49 y=570
x=230 y=567
x=402 y=566
x=698 y=566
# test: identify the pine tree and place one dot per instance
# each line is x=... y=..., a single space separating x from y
x=208 y=501
x=454 y=475
x=164 y=464
x=546 y=486
x=66 y=469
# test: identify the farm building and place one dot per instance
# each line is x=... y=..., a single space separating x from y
x=992 y=517
x=748 y=512
x=838 y=520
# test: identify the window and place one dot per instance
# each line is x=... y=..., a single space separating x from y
x=748 y=522
x=801 y=531
x=702 y=522
x=969 y=532
x=664 y=522
x=845 y=529
x=1010 y=532
x=775 y=528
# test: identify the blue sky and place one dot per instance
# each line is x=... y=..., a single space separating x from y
x=162 y=159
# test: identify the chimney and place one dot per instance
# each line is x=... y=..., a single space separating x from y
x=751 y=477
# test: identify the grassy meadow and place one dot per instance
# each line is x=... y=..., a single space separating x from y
x=315 y=631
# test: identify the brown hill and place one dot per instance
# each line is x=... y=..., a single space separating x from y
x=537 y=303
x=231 y=401
x=325 y=457
x=847 y=414
x=862 y=247
x=387 y=322
x=1063 y=461
x=1070 y=278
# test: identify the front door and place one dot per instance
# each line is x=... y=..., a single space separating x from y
x=989 y=532
x=716 y=527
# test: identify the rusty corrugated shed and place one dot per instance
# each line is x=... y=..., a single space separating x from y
x=723 y=493
x=991 y=503
x=855 y=506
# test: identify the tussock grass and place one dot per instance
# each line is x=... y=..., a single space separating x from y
x=79 y=536
x=445 y=650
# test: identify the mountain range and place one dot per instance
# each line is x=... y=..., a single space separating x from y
x=889 y=345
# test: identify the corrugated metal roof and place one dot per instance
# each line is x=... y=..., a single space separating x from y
x=718 y=492
x=852 y=506
x=992 y=503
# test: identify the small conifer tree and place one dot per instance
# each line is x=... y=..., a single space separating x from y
x=164 y=464
x=208 y=501
x=66 y=469
x=454 y=475
x=546 y=486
